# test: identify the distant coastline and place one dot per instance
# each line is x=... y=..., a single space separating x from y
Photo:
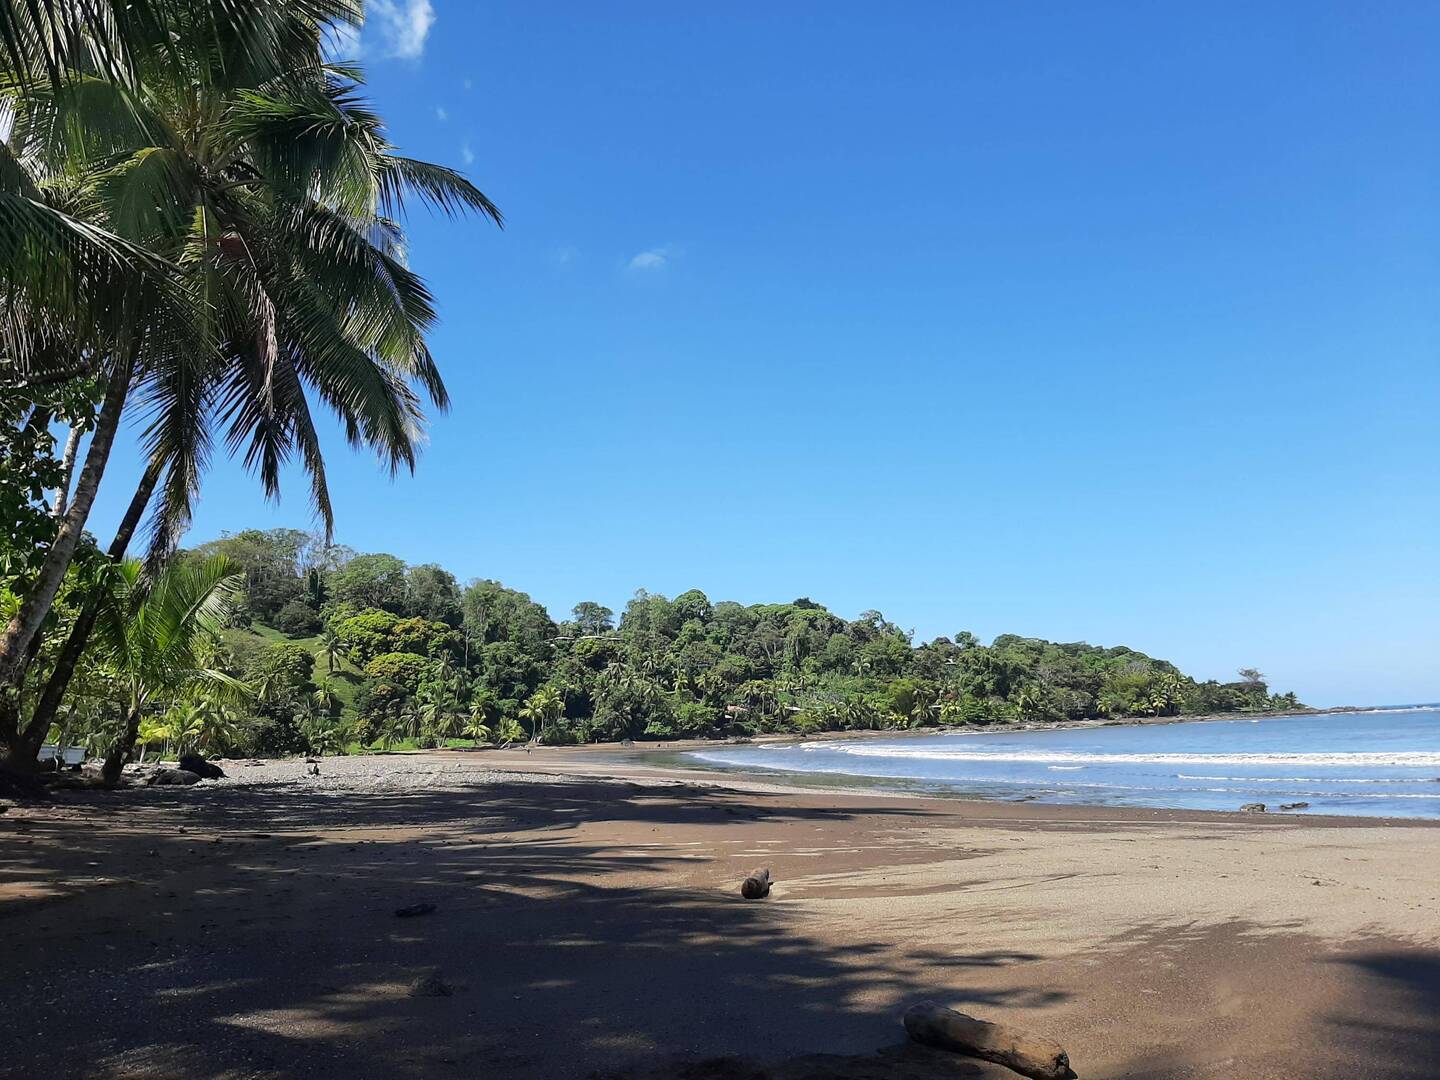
x=776 y=738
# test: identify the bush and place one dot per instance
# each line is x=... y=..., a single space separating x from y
x=271 y=736
x=695 y=719
x=294 y=664
x=403 y=669
x=297 y=619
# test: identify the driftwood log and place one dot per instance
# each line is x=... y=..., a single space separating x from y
x=757 y=885
x=1029 y=1055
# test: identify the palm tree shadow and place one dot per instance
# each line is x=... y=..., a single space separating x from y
x=276 y=950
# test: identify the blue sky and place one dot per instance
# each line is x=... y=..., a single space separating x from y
x=1096 y=322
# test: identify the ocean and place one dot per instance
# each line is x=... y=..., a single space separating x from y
x=1379 y=762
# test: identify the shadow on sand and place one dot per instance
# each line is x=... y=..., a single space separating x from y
x=250 y=932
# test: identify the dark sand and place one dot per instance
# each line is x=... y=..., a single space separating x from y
x=593 y=926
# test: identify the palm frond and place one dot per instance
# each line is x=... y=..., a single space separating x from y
x=442 y=188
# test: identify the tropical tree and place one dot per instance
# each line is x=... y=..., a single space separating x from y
x=331 y=650
x=272 y=190
x=508 y=731
x=325 y=734
x=542 y=707
x=477 y=730
x=327 y=701
x=152 y=639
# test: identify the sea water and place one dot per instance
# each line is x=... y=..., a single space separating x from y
x=1379 y=762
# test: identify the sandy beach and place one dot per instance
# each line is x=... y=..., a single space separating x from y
x=587 y=923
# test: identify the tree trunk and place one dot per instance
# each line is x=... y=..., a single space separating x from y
x=67 y=469
x=27 y=745
x=115 y=759
x=20 y=633
x=1029 y=1055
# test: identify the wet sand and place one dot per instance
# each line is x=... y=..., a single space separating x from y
x=588 y=923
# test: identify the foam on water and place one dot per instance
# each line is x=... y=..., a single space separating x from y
x=1380 y=762
x=1410 y=760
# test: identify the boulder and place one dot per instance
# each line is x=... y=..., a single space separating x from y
x=200 y=767
x=1253 y=808
x=1295 y=806
x=167 y=777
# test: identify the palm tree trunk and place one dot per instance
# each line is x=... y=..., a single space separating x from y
x=27 y=746
x=67 y=469
x=115 y=759
x=20 y=633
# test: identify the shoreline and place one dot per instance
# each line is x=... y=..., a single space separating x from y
x=576 y=894
x=981 y=729
x=678 y=758
x=560 y=762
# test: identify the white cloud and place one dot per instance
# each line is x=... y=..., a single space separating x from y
x=467 y=84
x=467 y=155
x=401 y=26
x=441 y=114
x=654 y=259
x=565 y=256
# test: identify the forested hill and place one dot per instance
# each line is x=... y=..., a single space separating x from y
x=345 y=649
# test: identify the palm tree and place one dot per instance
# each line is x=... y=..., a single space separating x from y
x=326 y=735
x=79 y=300
x=545 y=705
x=925 y=707
x=409 y=722
x=151 y=641
x=331 y=650
x=276 y=196
x=327 y=702
x=477 y=730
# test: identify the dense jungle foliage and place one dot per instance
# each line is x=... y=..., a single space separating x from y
x=344 y=650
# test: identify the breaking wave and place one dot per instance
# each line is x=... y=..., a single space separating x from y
x=1404 y=759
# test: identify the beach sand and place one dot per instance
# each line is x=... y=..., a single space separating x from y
x=587 y=922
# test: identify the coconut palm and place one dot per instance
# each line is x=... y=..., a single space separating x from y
x=326 y=735
x=331 y=650
x=78 y=299
x=326 y=700
x=115 y=39
x=277 y=197
x=477 y=730
x=542 y=707
x=152 y=641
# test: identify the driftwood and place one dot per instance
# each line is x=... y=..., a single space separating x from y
x=1029 y=1055
x=757 y=885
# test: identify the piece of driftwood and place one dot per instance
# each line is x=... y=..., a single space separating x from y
x=1029 y=1055
x=757 y=885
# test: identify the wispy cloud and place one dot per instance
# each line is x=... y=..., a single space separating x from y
x=654 y=259
x=467 y=155
x=441 y=114
x=565 y=256
x=400 y=26
x=466 y=83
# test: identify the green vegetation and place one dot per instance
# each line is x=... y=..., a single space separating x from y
x=438 y=664
x=199 y=230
